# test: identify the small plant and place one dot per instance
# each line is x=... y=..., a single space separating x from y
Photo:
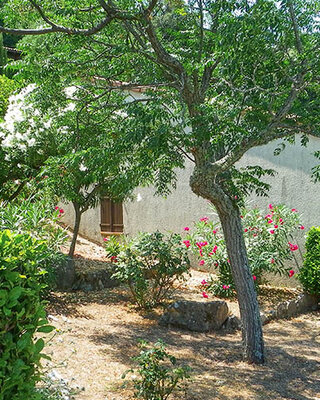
x=159 y=375
x=309 y=274
x=22 y=314
x=149 y=264
x=269 y=242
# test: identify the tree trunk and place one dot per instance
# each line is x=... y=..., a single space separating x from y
x=252 y=335
x=76 y=227
x=230 y=219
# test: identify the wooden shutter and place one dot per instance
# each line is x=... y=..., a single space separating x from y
x=111 y=216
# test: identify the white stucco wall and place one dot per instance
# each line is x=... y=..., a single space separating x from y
x=292 y=186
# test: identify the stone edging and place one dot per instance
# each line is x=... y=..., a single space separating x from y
x=287 y=309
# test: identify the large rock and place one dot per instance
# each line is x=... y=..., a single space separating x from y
x=65 y=274
x=195 y=315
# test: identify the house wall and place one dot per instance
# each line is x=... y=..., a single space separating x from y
x=291 y=186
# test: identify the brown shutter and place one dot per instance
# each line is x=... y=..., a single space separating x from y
x=111 y=216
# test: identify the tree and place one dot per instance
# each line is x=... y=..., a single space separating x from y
x=225 y=76
x=3 y=55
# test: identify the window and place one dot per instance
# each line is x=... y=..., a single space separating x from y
x=111 y=216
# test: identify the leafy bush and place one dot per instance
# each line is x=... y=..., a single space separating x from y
x=149 y=264
x=309 y=274
x=7 y=86
x=268 y=239
x=159 y=378
x=37 y=217
x=22 y=314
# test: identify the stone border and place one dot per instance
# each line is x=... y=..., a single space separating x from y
x=287 y=309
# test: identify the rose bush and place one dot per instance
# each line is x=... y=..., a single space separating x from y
x=269 y=241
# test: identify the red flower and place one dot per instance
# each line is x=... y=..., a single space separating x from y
x=201 y=262
x=214 y=231
x=291 y=273
x=186 y=228
x=236 y=197
x=241 y=216
x=204 y=294
x=114 y=259
x=215 y=249
x=225 y=287
x=294 y=210
x=204 y=219
x=187 y=243
x=270 y=221
x=105 y=239
x=246 y=230
x=204 y=282
x=301 y=227
x=293 y=247
x=61 y=211
x=254 y=277
x=272 y=261
x=56 y=208
x=270 y=206
x=276 y=226
x=272 y=231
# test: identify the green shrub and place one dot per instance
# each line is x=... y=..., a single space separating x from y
x=22 y=314
x=159 y=377
x=149 y=264
x=7 y=86
x=36 y=216
x=309 y=274
x=268 y=237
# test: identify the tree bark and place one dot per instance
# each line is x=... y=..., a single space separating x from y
x=76 y=227
x=252 y=335
x=229 y=215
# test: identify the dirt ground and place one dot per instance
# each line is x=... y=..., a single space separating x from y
x=97 y=335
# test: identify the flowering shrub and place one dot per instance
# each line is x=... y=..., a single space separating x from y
x=269 y=242
x=159 y=375
x=309 y=274
x=22 y=314
x=149 y=264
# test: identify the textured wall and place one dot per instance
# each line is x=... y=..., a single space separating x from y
x=292 y=186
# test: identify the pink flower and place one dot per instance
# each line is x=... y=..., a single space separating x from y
x=225 y=287
x=294 y=210
x=236 y=197
x=204 y=282
x=301 y=227
x=204 y=294
x=255 y=234
x=61 y=211
x=204 y=219
x=280 y=220
x=291 y=273
x=246 y=230
x=270 y=221
x=201 y=244
x=187 y=243
x=272 y=231
x=270 y=206
x=228 y=260
x=293 y=247
x=201 y=262
x=114 y=259
x=56 y=208
x=272 y=261
x=215 y=249
x=214 y=231
x=276 y=226
x=267 y=216
x=254 y=277
x=216 y=264
x=186 y=228
x=105 y=239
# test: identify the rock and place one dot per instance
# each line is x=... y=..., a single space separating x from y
x=282 y=310
x=65 y=274
x=95 y=279
x=195 y=315
x=264 y=318
x=232 y=324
